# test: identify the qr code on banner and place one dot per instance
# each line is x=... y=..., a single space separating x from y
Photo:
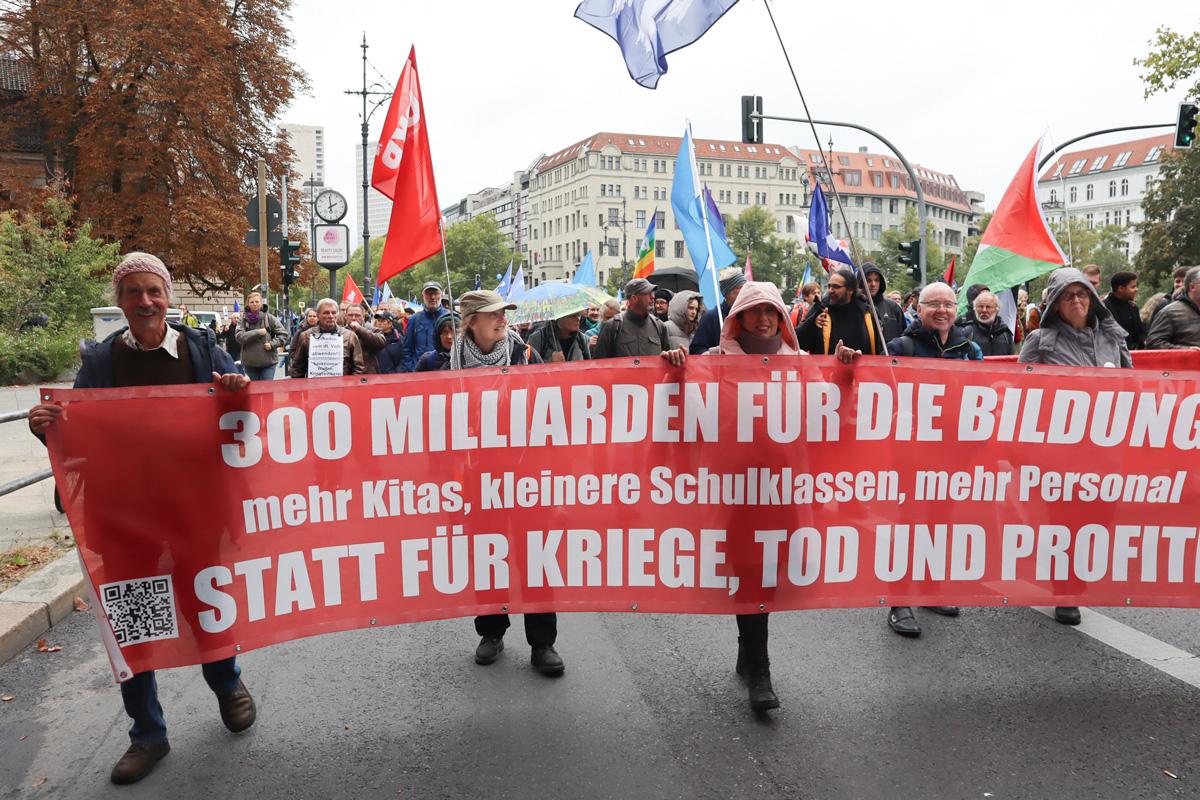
x=140 y=610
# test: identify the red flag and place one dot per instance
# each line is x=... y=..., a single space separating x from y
x=351 y=294
x=749 y=269
x=404 y=172
x=949 y=276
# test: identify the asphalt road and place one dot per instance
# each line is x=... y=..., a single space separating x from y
x=999 y=703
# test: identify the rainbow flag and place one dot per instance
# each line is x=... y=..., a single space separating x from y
x=645 y=262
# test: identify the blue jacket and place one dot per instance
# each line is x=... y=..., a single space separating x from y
x=391 y=357
x=96 y=369
x=708 y=332
x=421 y=336
x=922 y=343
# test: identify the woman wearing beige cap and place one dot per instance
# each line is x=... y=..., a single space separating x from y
x=485 y=340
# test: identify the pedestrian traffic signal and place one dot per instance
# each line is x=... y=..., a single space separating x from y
x=289 y=260
x=752 y=132
x=1185 y=127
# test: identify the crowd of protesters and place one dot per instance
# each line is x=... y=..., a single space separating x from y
x=1073 y=325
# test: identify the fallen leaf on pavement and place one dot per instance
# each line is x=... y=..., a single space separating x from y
x=39 y=781
x=23 y=738
x=81 y=604
x=1170 y=774
x=7 y=697
x=42 y=647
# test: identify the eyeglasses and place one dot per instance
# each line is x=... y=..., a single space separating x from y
x=1075 y=297
x=940 y=305
x=837 y=286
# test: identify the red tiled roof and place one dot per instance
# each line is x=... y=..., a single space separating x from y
x=1138 y=149
x=640 y=144
x=940 y=188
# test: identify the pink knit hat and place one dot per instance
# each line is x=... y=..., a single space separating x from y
x=140 y=262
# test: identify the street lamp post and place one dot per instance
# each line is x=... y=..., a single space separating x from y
x=365 y=92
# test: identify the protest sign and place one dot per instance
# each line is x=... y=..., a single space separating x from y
x=213 y=522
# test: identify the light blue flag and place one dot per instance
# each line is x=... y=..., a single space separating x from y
x=377 y=297
x=647 y=30
x=387 y=297
x=807 y=275
x=586 y=274
x=517 y=290
x=686 y=202
x=505 y=282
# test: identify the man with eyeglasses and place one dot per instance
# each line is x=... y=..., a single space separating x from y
x=987 y=330
x=841 y=316
x=933 y=335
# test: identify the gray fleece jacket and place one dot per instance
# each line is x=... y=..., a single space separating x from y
x=1100 y=343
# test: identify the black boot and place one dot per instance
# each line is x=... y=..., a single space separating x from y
x=740 y=666
x=758 y=676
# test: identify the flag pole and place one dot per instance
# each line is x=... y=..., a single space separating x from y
x=446 y=261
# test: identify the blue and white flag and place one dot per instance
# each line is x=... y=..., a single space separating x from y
x=647 y=30
x=387 y=296
x=828 y=246
x=517 y=290
x=505 y=282
x=708 y=249
x=807 y=279
x=586 y=274
x=478 y=282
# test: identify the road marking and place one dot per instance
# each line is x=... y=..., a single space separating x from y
x=1179 y=664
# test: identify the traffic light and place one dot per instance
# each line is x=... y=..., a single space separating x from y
x=1185 y=127
x=910 y=256
x=289 y=260
x=752 y=132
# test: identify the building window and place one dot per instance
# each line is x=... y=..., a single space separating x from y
x=1153 y=154
x=1053 y=196
x=852 y=177
x=614 y=247
x=1122 y=158
x=877 y=179
x=1099 y=163
x=876 y=232
x=894 y=181
x=858 y=201
x=679 y=249
x=1077 y=167
x=1058 y=170
x=660 y=248
x=1124 y=187
x=639 y=218
x=876 y=205
x=893 y=206
x=1073 y=193
x=1112 y=188
x=844 y=160
x=1088 y=191
x=1090 y=223
x=614 y=216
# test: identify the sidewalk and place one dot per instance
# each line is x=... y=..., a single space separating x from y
x=28 y=517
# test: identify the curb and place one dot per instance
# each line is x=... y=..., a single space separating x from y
x=38 y=603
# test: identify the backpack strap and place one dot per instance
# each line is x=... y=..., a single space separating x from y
x=870 y=331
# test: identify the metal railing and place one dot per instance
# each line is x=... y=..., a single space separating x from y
x=31 y=478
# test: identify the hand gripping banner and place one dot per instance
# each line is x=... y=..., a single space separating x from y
x=211 y=522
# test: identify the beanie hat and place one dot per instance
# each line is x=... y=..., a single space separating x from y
x=140 y=262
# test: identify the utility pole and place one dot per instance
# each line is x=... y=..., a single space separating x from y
x=287 y=308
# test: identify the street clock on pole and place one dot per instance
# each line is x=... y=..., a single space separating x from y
x=331 y=206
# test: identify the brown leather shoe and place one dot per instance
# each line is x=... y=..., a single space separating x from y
x=237 y=709
x=138 y=762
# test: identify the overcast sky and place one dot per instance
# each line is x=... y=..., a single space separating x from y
x=964 y=88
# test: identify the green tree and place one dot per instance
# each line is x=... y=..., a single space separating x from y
x=474 y=247
x=618 y=277
x=972 y=246
x=1171 y=207
x=50 y=278
x=887 y=257
x=752 y=233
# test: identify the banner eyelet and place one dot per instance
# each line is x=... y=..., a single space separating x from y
x=362 y=380
x=637 y=361
x=633 y=607
x=1029 y=368
x=211 y=390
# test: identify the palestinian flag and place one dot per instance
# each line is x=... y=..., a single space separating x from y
x=1018 y=244
x=645 y=262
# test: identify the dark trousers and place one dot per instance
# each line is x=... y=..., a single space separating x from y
x=752 y=628
x=140 y=694
x=540 y=629
x=260 y=373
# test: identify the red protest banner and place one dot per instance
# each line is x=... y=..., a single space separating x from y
x=212 y=524
x=1184 y=358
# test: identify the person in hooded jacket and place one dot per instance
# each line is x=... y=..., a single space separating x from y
x=561 y=340
x=842 y=316
x=683 y=317
x=391 y=358
x=708 y=335
x=1076 y=330
x=987 y=330
x=758 y=324
x=439 y=357
x=891 y=316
